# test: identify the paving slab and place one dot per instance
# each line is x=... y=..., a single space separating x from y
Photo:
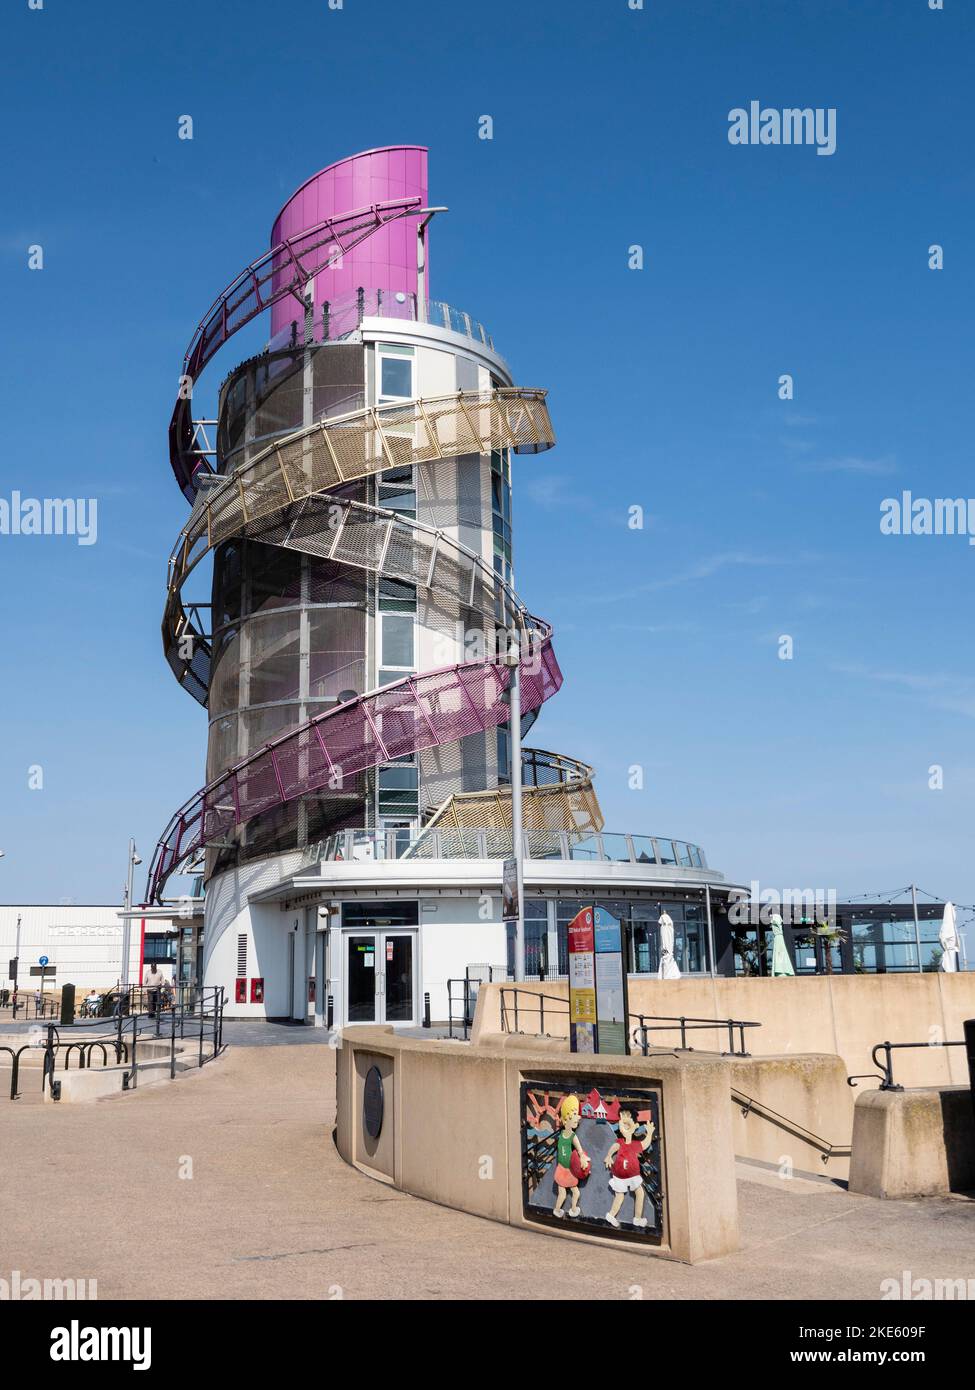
x=226 y=1184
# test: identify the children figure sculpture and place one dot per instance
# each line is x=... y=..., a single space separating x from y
x=565 y=1179
x=624 y=1161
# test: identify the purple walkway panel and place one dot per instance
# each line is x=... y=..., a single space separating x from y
x=415 y=713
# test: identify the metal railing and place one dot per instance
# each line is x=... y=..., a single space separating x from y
x=824 y=1147
x=603 y=847
x=660 y=1023
x=462 y=996
x=512 y=1010
x=337 y=318
x=197 y=1014
x=885 y=1068
x=535 y=1003
x=24 y=1004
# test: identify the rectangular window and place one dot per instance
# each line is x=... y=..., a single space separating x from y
x=397 y=638
x=159 y=950
x=397 y=490
x=398 y=788
x=381 y=914
x=394 y=373
x=397 y=641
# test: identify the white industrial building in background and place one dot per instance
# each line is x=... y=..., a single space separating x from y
x=83 y=944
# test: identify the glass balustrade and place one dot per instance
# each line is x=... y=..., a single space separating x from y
x=437 y=843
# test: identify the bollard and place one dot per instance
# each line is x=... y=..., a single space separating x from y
x=49 y=1058
x=67 y=1004
x=426 y=1010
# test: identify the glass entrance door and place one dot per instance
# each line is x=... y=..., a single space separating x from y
x=381 y=977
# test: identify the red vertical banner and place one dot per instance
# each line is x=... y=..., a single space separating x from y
x=582 y=982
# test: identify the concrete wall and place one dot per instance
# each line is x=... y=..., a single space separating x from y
x=452 y=1131
x=795 y=1113
x=841 y=1014
x=918 y=1143
x=453 y=937
x=266 y=930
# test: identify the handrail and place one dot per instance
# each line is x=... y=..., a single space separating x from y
x=686 y=1024
x=485 y=842
x=253 y=500
x=207 y=1009
x=825 y=1148
x=256 y=783
x=515 y=991
x=272 y=277
x=885 y=1072
x=659 y=1023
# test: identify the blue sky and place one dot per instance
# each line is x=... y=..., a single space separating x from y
x=762 y=516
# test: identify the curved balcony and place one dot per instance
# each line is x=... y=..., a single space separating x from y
x=340 y=317
x=603 y=847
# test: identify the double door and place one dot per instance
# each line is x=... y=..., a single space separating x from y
x=380 y=976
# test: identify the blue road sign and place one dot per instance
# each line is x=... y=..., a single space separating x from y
x=43 y=960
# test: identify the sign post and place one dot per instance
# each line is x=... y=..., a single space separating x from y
x=598 y=1005
x=582 y=983
x=611 y=999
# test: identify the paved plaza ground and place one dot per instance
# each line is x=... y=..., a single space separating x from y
x=271 y=1211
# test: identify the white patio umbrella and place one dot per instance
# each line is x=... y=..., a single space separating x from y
x=948 y=936
x=668 y=966
x=781 y=963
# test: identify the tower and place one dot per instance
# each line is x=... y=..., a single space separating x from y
x=357 y=511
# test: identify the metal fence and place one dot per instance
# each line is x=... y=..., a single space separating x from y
x=135 y=1021
x=519 y=1005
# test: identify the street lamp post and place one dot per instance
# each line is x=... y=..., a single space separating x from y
x=17 y=966
x=126 y=919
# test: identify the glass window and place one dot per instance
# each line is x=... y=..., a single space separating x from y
x=536 y=938
x=889 y=944
x=646 y=940
x=747 y=952
x=397 y=490
x=397 y=640
x=398 y=793
x=665 y=852
x=381 y=914
x=159 y=949
x=398 y=499
x=504 y=754
x=396 y=597
x=692 y=949
x=395 y=373
x=565 y=910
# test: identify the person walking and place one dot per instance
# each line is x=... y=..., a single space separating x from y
x=154 y=983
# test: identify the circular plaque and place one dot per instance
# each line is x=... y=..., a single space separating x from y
x=372 y=1103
